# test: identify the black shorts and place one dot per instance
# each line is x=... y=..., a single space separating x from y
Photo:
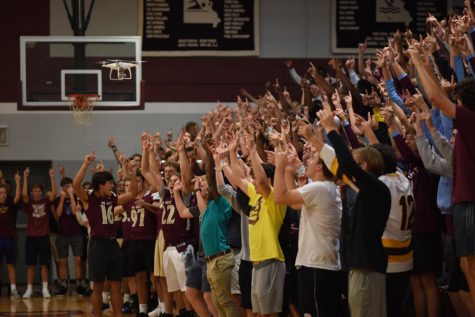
x=397 y=285
x=105 y=260
x=37 y=249
x=464 y=229
x=319 y=289
x=427 y=250
x=127 y=259
x=245 y=281
x=141 y=255
x=8 y=250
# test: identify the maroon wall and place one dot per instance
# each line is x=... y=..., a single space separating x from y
x=166 y=79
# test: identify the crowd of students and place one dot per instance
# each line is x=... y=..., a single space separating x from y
x=339 y=204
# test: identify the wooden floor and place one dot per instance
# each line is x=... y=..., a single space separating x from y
x=55 y=306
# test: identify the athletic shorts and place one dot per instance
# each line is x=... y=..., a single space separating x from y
x=267 y=291
x=319 y=290
x=245 y=280
x=141 y=255
x=63 y=243
x=126 y=257
x=37 y=249
x=427 y=250
x=464 y=227
x=196 y=277
x=174 y=267
x=8 y=250
x=105 y=260
x=54 y=249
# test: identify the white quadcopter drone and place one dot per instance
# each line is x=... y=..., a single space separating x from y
x=120 y=69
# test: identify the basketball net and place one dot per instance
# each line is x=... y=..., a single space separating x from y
x=82 y=105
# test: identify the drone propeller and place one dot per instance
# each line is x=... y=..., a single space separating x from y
x=135 y=62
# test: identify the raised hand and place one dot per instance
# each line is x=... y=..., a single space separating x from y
x=26 y=172
x=61 y=170
x=326 y=120
x=90 y=157
x=280 y=158
x=70 y=191
x=62 y=193
x=362 y=47
x=177 y=186
x=100 y=166
x=51 y=172
x=17 y=177
x=111 y=142
x=306 y=131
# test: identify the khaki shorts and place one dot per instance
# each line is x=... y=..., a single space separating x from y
x=158 y=263
x=174 y=268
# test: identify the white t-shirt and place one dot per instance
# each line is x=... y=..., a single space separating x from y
x=319 y=229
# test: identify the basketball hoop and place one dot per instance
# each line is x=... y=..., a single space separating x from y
x=82 y=105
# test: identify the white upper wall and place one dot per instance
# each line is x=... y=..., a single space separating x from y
x=287 y=28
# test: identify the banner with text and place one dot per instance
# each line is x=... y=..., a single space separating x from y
x=376 y=20
x=199 y=27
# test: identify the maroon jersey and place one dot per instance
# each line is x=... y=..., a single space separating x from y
x=143 y=222
x=126 y=223
x=100 y=214
x=68 y=223
x=175 y=229
x=38 y=217
x=8 y=213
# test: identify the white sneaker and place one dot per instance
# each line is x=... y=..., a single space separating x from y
x=46 y=293
x=14 y=294
x=155 y=313
x=28 y=294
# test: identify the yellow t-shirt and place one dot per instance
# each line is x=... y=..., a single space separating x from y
x=265 y=220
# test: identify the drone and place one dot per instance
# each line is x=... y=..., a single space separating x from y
x=120 y=69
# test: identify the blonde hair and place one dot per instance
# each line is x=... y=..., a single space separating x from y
x=372 y=158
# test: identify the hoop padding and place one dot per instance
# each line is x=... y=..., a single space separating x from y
x=82 y=105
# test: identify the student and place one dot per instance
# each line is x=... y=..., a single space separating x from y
x=8 y=242
x=105 y=257
x=318 y=260
x=37 y=246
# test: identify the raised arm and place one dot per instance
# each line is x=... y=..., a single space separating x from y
x=238 y=176
x=131 y=172
x=113 y=146
x=282 y=194
x=52 y=193
x=24 y=193
x=183 y=211
x=434 y=92
x=17 y=197
x=80 y=192
x=185 y=167
x=59 y=209
x=256 y=163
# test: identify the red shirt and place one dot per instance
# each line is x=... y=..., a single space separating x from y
x=38 y=217
x=464 y=156
x=100 y=215
x=8 y=213
x=143 y=222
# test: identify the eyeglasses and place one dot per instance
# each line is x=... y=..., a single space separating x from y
x=254 y=213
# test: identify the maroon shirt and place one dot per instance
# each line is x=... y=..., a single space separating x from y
x=143 y=222
x=38 y=217
x=100 y=214
x=175 y=229
x=464 y=156
x=68 y=223
x=8 y=213
x=126 y=226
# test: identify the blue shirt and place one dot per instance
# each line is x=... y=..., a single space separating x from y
x=214 y=226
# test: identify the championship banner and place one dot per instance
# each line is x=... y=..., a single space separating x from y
x=199 y=27
x=376 y=20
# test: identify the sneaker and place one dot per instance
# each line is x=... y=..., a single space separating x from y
x=155 y=313
x=126 y=308
x=28 y=294
x=14 y=294
x=46 y=293
x=61 y=291
x=105 y=306
x=81 y=290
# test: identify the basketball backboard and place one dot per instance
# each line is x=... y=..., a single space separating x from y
x=53 y=67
